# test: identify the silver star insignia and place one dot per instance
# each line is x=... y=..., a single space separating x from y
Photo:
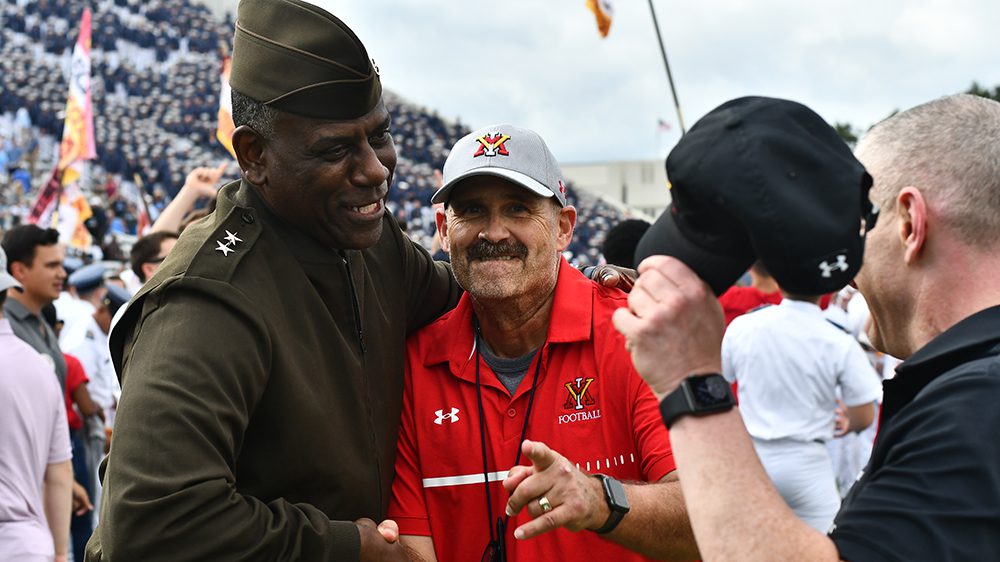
x=231 y=238
x=223 y=248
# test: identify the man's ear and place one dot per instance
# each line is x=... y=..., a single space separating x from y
x=18 y=270
x=567 y=221
x=249 y=147
x=911 y=208
x=441 y=219
x=148 y=269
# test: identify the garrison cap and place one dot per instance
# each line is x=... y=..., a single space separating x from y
x=297 y=57
x=88 y=277
x=116 y=298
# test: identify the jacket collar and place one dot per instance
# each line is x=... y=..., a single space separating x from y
x=304 y=247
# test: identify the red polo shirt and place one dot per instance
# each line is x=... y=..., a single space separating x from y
x=590 y=406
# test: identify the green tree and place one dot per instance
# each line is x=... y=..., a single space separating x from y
x=977 y=90
x=847 y=132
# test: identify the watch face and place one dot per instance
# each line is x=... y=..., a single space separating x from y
x=711 y=390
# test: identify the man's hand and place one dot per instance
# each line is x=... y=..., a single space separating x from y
x=614 y=277
x=842 y=422
x=380 y=542
x=577 y=499
x=81 y=502
x=673 y=324
x=203 y=181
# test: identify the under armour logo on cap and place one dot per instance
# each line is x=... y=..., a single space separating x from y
x=451 y=416
x=826 y=268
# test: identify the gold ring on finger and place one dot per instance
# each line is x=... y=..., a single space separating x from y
x=543 y=502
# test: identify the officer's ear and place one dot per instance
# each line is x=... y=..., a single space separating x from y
x=249 y=146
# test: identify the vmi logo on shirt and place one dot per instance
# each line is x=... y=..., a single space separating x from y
x=579 y=394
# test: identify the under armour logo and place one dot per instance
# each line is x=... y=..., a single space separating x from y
x=451 y=416
x=827 y=269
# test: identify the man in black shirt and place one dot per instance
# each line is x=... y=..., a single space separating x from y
x=930 y=276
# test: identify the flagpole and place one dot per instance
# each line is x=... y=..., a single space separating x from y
x=666 y=65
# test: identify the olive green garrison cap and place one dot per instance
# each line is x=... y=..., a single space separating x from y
x=297 y=57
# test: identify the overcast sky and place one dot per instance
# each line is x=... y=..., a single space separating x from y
x=541 y=63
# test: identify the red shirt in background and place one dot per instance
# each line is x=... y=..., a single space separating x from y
x=737 y=301
x=75 y=376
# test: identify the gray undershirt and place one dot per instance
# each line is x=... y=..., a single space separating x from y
x=510 y=372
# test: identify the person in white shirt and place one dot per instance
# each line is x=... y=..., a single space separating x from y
x=95 y=356
x=789 y=362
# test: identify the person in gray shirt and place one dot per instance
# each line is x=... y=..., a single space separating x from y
x=35 y=259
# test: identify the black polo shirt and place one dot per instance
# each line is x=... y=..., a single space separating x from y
x=931 y=490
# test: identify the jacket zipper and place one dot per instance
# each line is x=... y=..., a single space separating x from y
x=354 y=304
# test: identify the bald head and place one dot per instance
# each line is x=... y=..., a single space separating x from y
x=947 y=148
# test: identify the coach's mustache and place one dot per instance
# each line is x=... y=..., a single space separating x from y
x=485 y=249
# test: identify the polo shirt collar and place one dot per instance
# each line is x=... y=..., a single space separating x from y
x=572 y=310
x=804 y=306
x=17 y=310
x=973 y=337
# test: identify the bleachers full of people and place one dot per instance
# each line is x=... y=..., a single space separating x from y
x=155 y=83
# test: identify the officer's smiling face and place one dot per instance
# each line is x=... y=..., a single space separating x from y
x=330 y=178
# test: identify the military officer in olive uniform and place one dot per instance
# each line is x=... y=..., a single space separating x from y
x=261 y=365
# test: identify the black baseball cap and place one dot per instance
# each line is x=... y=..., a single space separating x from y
x=765 y=179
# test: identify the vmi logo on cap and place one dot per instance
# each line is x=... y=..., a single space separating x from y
x=492 y=144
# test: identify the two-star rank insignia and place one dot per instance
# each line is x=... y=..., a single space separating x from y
x=227 y=246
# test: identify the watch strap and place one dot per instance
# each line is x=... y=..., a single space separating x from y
x=676 y=404
x=617 y=509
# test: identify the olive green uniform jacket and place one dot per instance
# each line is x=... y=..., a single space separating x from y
x=261 y=391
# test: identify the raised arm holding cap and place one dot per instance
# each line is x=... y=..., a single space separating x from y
x=932 y=263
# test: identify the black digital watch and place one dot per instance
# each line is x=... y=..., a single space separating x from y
x=614 y=494
x=697 y=395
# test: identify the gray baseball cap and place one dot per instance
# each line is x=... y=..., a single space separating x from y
x=6 y=280
x=505 y=151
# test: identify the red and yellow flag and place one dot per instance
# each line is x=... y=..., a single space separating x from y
x=224 y=131
x=602 y=11
x=78 y=129
x=63 y=204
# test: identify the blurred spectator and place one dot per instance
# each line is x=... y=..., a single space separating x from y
x=621 y=240
x=36 y=475
x=95 y=357
x=763 y=290
x=201 y=183
x=35 y=259
x=789 y=362
x=148 y=253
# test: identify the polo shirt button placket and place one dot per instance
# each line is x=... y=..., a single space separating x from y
x=511 y=412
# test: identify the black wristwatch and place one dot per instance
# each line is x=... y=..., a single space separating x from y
x=697 y=395
x=614 y=494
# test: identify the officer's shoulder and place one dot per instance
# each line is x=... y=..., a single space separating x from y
x=215 y=247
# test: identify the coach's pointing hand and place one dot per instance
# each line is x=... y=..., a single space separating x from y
x=555 y=492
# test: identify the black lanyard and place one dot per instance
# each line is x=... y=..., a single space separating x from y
x=482 y=442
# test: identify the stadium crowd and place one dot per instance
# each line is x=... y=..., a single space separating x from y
x=155 y=88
